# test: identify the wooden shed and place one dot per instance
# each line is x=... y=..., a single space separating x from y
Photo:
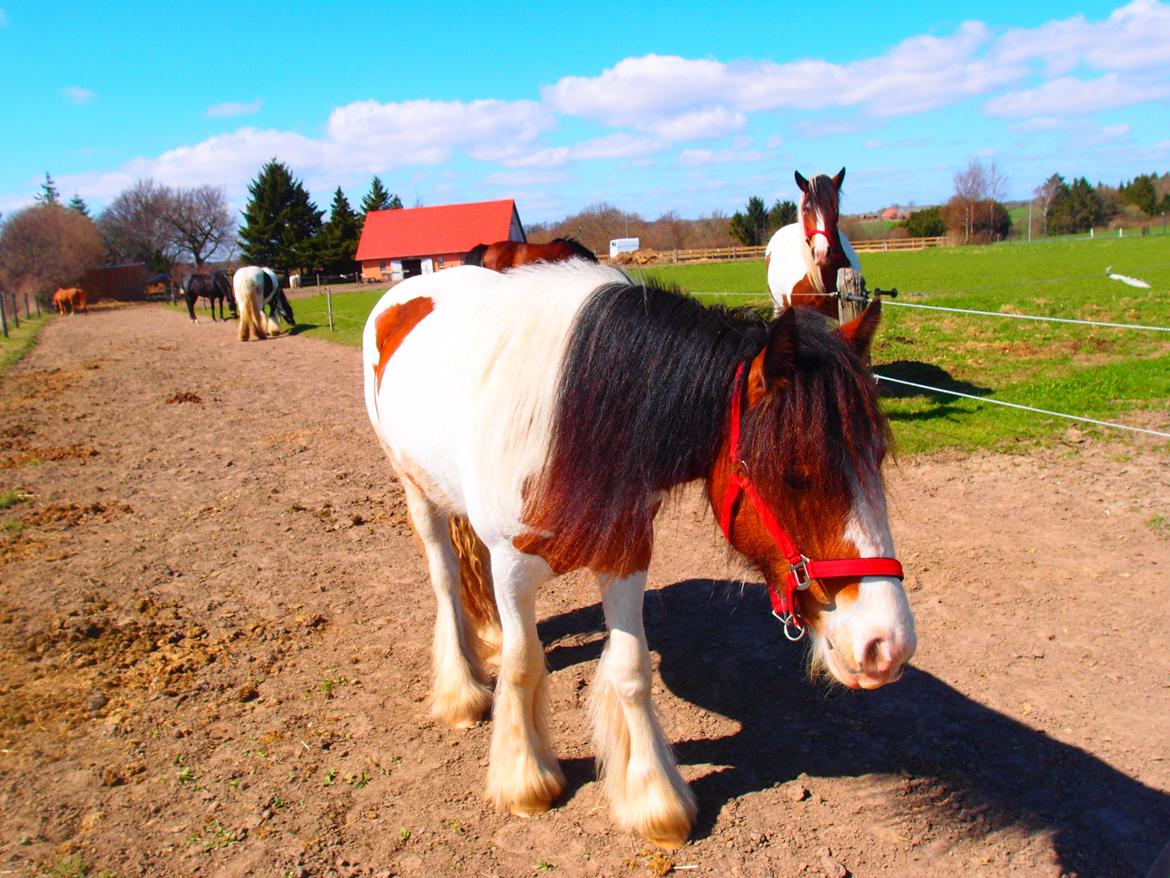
x=397 y=244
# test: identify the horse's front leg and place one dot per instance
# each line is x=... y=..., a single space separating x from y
x=523 y=774
x=645 y=788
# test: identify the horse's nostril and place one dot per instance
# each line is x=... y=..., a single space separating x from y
x=875 y=658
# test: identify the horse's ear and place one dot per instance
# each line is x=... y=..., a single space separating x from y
x=780 y=354
x=801 y=182
x=839 y=179
x=860 y=331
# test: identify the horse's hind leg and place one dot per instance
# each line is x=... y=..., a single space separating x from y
x=523 y=774
x=645 y=788
x=459 y=693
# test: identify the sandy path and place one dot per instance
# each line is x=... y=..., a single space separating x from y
x=214 y=651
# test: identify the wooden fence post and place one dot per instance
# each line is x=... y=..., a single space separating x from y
x=329 y=305
x=851 y=294
x=13 y=311
x=3 y=316
x=27 y=309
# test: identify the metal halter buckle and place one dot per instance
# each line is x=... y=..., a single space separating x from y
x=800 y=571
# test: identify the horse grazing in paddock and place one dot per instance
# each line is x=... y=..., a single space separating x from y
x=254 y=288
x=503 y=255
x=69 y=300
x=536 y=418
x=802 y=258
x=211 y=287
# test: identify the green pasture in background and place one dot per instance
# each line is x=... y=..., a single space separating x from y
x=1109 y=374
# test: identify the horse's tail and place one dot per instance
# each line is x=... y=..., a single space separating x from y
x=475 y=255
x=481 y=617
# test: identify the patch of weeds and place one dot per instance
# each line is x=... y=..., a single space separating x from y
x=357 y=781
x=184 y=774
x=330 y=776
x=1160 y=525
x=404 y=834
x=213 y=836
x=544 y=866
x=455 y=826
x=330 y=683
x=14 y=527
x=71 y=866
x=11 y=498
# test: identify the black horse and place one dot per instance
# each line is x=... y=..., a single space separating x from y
x=211 y=287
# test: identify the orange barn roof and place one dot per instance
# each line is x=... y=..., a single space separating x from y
x=425 y=231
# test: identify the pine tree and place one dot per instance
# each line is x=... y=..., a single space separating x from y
x=78 y=203
x=749 y=228
x=379 y=199
x=341 y=234
x=280 y=221
x=49 y=194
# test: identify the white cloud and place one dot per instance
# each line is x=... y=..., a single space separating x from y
x=427 y=132
x=698 y=157
x=523 y=178
x=76 y=95
x=1134 y=37
x=1070 y=96
x=234 y=108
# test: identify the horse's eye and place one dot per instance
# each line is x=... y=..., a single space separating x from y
x=796 y=481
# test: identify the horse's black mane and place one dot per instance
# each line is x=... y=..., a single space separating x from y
x=579 y=249
x=642 y=406
x=475 y=255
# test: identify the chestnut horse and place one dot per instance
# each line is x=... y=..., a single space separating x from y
x=503 y=255
x=536 y=418
x=69 y=300
x=802 y=259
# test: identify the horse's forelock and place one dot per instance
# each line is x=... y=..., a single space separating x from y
x=825 y=423
x=825 y=199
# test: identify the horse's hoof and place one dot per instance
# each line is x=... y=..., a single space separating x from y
x=528 y=810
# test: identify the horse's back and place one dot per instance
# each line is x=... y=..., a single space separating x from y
x=460 y=370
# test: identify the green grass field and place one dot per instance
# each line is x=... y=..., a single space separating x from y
x=1110 y=374
x=18 y=341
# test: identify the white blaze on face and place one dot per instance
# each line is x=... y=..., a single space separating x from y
x=818 y=243
x=866 y=642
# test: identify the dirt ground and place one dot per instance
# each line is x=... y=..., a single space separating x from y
x=214 y=651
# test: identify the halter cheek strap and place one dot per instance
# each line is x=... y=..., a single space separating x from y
x=803 y=572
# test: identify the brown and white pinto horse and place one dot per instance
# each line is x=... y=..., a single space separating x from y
x=536 y=418
x=802 y=259
x=503 y=255
x=69 y=300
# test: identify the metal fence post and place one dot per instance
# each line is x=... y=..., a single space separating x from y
x=329 y=305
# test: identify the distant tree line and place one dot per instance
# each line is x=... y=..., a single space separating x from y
x=175 y=229
x=976 y=212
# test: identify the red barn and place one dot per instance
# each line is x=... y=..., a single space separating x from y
x=397 y=244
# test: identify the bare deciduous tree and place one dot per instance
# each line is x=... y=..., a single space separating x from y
x=970 y=188
x=202 y=222
x=48 y=246
x=136 y=226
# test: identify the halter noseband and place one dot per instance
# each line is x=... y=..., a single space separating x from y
x=803 y=572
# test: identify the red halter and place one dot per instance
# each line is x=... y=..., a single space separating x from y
x=802 y=570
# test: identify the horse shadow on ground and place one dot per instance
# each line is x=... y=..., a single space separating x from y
x=942 y=405
x=298 y=328
x=975 y=770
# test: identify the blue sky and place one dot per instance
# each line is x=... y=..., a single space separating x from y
x=690 y=107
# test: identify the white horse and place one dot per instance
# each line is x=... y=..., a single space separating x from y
x=802 y=259
x=535 y=419
x=254 y=288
